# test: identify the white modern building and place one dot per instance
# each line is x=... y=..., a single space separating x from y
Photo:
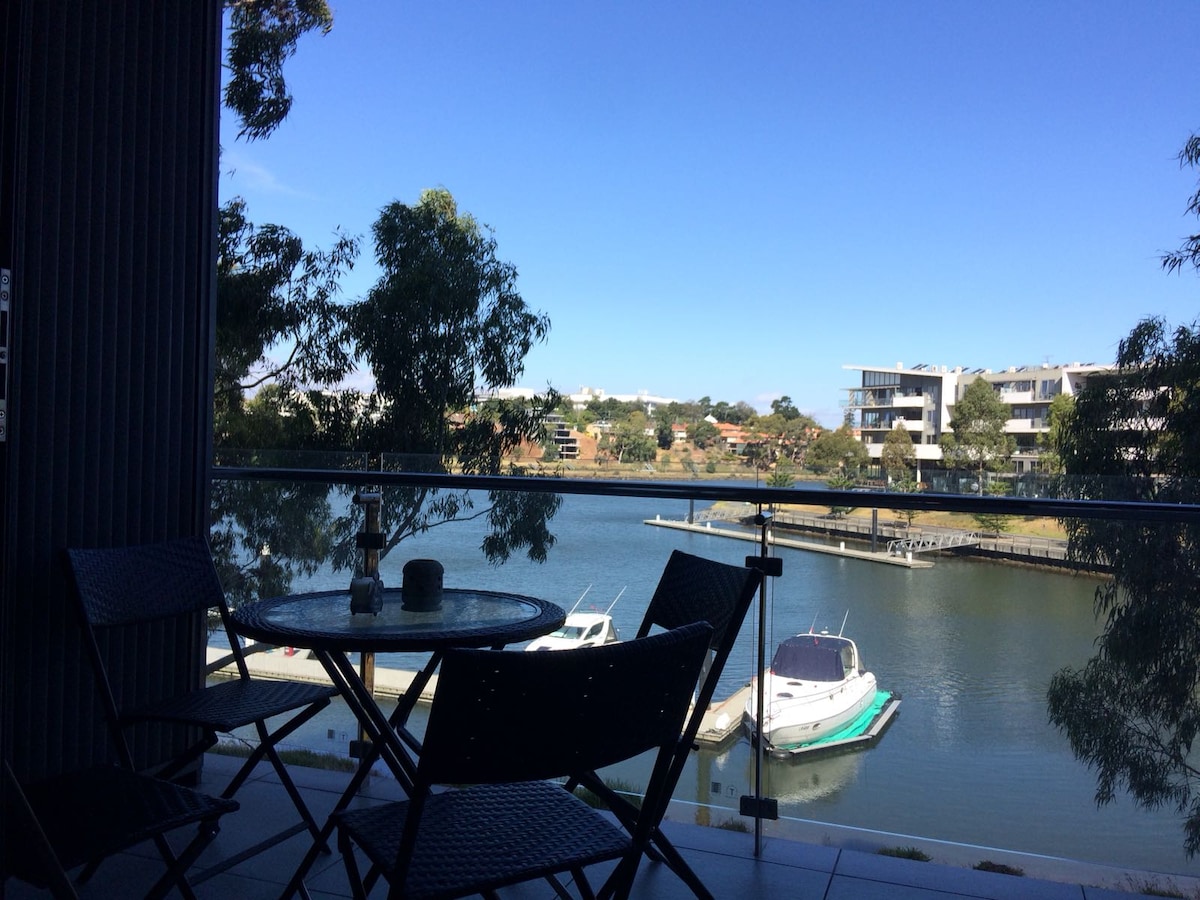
x=921 y=400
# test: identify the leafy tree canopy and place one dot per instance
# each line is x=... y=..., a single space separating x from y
x=899 y=455
x=1048 y=442
x=978 y=441
x=837 y=450
x=262 y=36
x=703 y=434
x=733 y=414
x=278 y=316
x=784 y=407
x=443 y=318
x=1132 y=712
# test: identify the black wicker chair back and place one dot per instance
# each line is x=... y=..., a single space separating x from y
x=559 y=713
x=690 y=589
x=80 y=818
x=695 y=589
x=502 y=721
x=126 y=593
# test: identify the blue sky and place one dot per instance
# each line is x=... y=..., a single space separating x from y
x=735 y=200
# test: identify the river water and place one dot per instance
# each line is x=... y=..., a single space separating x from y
x=970 y=647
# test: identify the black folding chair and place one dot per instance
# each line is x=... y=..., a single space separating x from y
x=503 y=721
x=691 y=589
x=82 y=817
x=153 y=584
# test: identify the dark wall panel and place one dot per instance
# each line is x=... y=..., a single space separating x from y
x=112 y=203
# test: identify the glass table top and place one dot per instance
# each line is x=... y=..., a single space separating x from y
x=466 y=618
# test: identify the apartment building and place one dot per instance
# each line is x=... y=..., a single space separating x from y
x=921 y=398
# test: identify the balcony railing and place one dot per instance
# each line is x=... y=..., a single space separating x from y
x=314 y=494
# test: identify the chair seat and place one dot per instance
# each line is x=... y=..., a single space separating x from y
x=92 y=813
x=487 y=836
x=232 y=704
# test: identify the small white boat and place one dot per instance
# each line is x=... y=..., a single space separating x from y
x=816 y=686
x=581 y=629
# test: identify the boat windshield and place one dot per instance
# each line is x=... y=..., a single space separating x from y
x=813 y=657
x=571 y=632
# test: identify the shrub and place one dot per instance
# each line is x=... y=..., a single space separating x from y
x=988 y=866
x=905 y=853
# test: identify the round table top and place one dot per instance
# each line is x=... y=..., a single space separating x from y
x=466 y=618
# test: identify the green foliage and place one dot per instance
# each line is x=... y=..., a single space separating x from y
x=978 y=440
x=664 y=434
x=783 y=476
x=1132 y=713
x=906 y=486
x=994 y=523
x=737 y=825
x=905 y=853
x=841 y=482
x=443 y=318
x=899 y=456
x=278 y=319
x=837 y=450
x=987 y=865
x=1152 y=888
x=703 y=434
x=1057 y=417
x=628 y=441
x=1188 y=253
x=785 y=408
x=734 y=414
x=262 y=36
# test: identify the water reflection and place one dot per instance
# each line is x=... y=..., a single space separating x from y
x=807 y=780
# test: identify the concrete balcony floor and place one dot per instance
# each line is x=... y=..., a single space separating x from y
x=836 y=865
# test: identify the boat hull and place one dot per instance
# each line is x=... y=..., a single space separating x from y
x=798 y=713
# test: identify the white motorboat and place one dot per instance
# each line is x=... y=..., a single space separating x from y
x=581 y=629
x=815 y=687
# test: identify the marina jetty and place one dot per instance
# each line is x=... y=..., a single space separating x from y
x=874 y=537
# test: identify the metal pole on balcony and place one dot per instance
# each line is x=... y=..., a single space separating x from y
x=370 y=540
x=758 y=806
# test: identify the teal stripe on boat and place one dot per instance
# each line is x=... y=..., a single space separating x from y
x=854 y=729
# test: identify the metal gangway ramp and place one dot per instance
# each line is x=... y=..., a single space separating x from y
x=940 y=540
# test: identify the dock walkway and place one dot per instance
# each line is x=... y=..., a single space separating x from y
x=906 y=561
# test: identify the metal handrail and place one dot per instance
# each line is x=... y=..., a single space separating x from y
x=703 y=490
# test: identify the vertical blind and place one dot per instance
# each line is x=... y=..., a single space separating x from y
x=113 y=200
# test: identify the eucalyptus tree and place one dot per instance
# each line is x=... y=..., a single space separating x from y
x=977 y=440
x=1132 y=712
x=784 y=407
x=280 y=329
x=262 y=35
x=444 y=319
x=838 y=451
x=898 y=456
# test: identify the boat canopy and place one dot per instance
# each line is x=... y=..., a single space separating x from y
x=813 y=657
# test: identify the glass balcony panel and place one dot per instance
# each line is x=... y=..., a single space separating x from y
x=969 y=645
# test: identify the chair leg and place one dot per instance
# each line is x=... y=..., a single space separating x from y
x=620 y=883
x=353 y=875
x=678 y=865
x=298 y=801
x=177 y=866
